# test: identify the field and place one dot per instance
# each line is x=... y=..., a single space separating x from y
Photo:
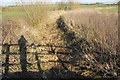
x=17 y=11
x=91 y=32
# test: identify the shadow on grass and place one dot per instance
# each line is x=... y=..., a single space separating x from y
x=92 y=53
x=22 y=75
x=53 y=73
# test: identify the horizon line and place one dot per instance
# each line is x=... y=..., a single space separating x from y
x=26 y=3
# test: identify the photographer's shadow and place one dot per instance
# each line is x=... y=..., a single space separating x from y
x=22 y=48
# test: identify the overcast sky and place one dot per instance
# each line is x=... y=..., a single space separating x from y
x=12 y=2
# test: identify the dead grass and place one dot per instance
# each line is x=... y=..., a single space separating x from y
x=93 y=26
x=93 y=38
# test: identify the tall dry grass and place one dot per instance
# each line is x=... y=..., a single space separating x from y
x=36 y=13
x=93 y=38
x=101 y=28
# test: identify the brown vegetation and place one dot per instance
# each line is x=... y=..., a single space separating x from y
x=93 y=38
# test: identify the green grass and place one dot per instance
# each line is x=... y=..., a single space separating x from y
x=110 y=10
x=93 y=6
x=104 y=8
x=12 y=14
x=19 y=11
x=22 y=11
